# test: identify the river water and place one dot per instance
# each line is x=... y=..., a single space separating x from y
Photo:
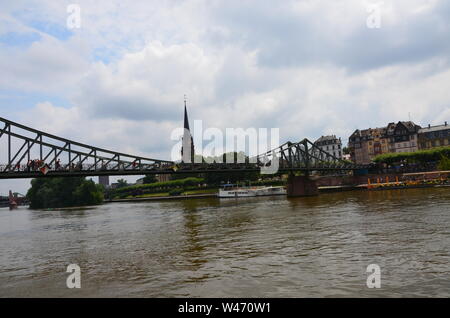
x=250 y=247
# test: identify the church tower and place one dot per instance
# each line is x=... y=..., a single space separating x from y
x=187 y=148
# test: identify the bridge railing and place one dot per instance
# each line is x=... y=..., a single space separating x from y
x=83 y=167
x=304 y=155
x=21 y=146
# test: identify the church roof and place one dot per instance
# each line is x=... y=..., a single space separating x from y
x=186 y=120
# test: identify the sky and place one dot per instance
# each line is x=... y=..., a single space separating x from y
x=309 y=68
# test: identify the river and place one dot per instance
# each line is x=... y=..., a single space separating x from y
x=250 y=247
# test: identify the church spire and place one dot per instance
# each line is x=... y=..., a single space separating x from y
x=186 y=120
x=187 y=148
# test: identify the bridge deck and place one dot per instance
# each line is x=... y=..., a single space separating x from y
x=61 y=157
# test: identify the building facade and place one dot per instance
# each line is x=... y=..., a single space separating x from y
x=104 y=181
x=403 y=136
x=330 y=144
x=434 y=136
x=365 y=145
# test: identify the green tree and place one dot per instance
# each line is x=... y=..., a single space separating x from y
x=444 y=163
x=87 y=193
x=150 y=178
x=421 y=156
x=63 y=192
x=232 y=177
x=122 y=183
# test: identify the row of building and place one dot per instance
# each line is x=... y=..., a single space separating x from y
x=404 y=136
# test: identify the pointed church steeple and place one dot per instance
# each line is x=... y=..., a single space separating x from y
x=187 y=148
x=186 y=120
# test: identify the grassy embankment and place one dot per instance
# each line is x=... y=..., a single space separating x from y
x=187 y=186
x=165 y=194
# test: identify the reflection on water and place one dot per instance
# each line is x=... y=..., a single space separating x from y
x=250 y=247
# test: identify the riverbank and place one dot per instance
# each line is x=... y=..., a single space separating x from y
x=213 y=194
x=168 y=197
x=326 y=184
x=322 y=189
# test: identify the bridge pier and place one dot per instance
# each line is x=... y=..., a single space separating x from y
x=301 y=186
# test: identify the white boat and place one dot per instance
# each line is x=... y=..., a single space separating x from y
x=270 y=191
x=233 y=191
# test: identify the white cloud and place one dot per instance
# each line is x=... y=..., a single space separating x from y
x=47 y=66
x=307 y=67
x=149 y=84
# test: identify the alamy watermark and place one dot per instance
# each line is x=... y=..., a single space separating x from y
x=74 y=279
x=374 y=278
x=211 y=143
x=374 y=19
x=74 y=19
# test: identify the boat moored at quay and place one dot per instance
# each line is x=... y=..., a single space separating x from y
x=233 y=191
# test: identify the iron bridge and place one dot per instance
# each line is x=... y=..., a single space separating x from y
x=29 y=153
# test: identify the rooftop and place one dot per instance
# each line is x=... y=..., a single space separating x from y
x=327 y=138
x=434 y=128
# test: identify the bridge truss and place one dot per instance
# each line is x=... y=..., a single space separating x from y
x=29 y=153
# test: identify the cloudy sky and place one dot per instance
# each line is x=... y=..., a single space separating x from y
x=307 y=67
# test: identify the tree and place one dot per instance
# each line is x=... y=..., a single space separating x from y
x=421 y=156
x=87 y=193
x=232 y=177
x=149 y=178
x=122 y=183
x=444 y=163
x=63 y=192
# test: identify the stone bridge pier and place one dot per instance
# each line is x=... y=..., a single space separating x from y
x=301 y=186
